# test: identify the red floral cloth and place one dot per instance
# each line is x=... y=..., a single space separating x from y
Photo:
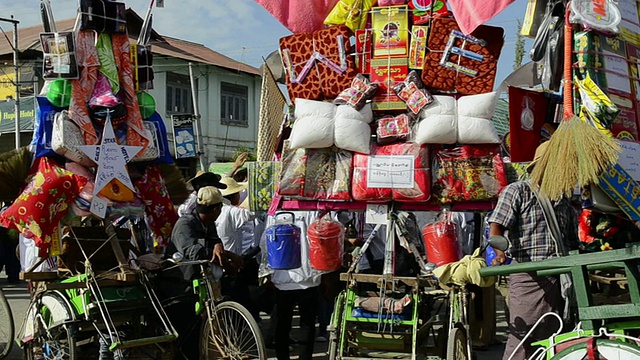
x=36 y=213
x=468 y=173
x=159 y=208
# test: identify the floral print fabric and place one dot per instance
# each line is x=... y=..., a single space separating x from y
x=468 y=173
x=161 y=213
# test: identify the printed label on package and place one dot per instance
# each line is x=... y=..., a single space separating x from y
x=394 y=172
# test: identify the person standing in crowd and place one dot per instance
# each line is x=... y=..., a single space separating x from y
x=194 y=235
x=8 y=258
x=297 y=287
x=230 y=229
x=201 y=180
x=519 y=214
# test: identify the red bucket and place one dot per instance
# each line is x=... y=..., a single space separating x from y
x=441 y=243
x=325 y=244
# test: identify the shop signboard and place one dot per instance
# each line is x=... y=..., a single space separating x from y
x=184 y=136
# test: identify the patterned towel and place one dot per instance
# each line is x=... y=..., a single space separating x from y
x=299 y=15
x=263 y=178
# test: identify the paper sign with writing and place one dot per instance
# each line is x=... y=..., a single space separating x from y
x=376 y=214
x=394 y=172
x=99 y=207
x=111 y=158
x=630 y=158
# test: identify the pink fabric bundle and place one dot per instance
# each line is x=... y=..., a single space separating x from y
x=299 y=16
x=472 y=13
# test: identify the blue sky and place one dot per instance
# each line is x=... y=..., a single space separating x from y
x=240 y=29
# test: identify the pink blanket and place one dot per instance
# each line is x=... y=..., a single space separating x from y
x=472 y=13
x=299 y=15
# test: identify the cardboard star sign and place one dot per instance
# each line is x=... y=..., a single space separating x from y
x=111 y=159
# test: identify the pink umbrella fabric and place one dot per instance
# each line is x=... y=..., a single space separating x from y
x=472 y=13
x=299 y=16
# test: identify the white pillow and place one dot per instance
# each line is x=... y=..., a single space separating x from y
x=438 y=122
x=475 y=124
x=314 y=125
x=352 y=129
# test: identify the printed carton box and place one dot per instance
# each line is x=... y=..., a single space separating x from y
x=390 y=31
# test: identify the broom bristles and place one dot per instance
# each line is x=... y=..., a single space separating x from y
x=576 y=155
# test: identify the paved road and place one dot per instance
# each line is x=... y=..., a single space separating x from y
x=19 y=300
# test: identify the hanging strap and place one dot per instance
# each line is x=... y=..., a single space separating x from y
x=551 y=220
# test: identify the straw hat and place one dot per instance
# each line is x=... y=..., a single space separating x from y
x=232 y=186
x=542 y=148
x=203 y=178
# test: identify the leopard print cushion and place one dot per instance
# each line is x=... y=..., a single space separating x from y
x=438 y=78
x=321 y=82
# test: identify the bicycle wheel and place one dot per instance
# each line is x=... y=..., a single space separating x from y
x=48 y=329
x=6 y=327
x=236 y=334
x=608 y=349
x=457 y=344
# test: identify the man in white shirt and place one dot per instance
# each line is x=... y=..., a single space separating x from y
x=298 y=286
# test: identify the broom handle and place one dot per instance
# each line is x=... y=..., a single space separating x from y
x=568 y=57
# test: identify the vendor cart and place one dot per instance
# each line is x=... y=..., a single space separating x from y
x=599 y=323
x=116 y=307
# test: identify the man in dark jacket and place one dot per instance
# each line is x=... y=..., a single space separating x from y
x=194 y=235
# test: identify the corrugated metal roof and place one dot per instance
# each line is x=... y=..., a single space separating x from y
x=29 y=39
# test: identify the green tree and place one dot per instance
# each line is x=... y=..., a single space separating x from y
x=519 y=56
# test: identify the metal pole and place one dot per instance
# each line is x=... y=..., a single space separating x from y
x=17 y=80
x=196 y=115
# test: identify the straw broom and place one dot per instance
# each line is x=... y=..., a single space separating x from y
x=577 y=152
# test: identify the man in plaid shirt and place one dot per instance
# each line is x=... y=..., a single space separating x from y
x=519 y=215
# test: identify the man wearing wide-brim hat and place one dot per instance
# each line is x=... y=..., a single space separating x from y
x=202 y=179
x=519 y=214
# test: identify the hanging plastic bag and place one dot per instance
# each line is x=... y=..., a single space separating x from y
x=441 y=240
x=326 y=243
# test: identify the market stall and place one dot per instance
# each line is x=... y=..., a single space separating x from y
x=403 y=120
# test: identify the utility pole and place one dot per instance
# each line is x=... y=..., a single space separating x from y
x=16 y=76
x=196 y=116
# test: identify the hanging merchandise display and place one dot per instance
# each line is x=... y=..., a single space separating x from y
x=325 y=243
x=527 y=115
x=60 y=60
x=283 y=243
x=602 y=15
x=317 y=64
x=441 y=240
x=459 y=63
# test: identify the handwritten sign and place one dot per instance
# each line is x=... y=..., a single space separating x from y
x=630 y=158
x=376 y=214
x=99 y=207
x=111 y=159
x=394 y=172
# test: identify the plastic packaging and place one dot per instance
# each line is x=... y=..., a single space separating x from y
x=294 y=168
x=441 y=240
x=413 y=93
x=352 y=13
x=326 y=243
x=603 y=16
x=391 y=129
x=596 y=108
x=282 y=240
x=359 y=188
x=421 y=190
x=357 y=95
x=328 y=174
x=467 y=173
